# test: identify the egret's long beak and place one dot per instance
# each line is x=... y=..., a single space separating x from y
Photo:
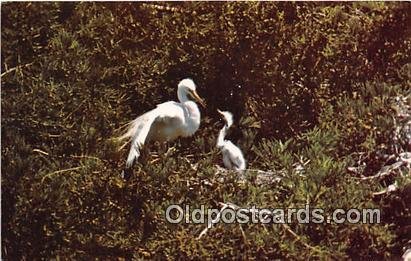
x=198 y=98
x=220 y=112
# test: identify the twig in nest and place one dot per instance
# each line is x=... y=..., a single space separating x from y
x=193 y=167
x=262 y=177
x=385 y=171
x=390 y=188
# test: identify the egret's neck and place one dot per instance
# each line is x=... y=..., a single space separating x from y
x=192 y=116
x=182 y=95
x=221 y=136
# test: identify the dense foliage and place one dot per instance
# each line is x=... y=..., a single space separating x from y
x=312 y=83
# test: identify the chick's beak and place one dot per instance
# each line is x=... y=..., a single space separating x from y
x=220 y=112
x=198 y=98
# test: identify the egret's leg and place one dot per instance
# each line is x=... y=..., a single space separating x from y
x=165 y=150
x=169 y=151
x=160 y=148
x=126 y=173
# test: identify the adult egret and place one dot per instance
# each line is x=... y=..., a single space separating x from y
x=168 y=121
x=232 y=156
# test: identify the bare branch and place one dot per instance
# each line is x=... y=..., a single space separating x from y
x=210 y=224
x=385 y=171
x=60 y=171
x=163 y=8
x=41 y=152
x=16 y=68
x=390 y=188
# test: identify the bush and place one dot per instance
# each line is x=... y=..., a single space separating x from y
x=308 y=83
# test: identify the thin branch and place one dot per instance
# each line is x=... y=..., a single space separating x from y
x=41 y=152
x=385 y=171
x=60 y=171
x=298 y=238
x=262 y=177
x=53 y=135
x=243 y=234
x=390 y=188
x=16 y=68
x=163 y=8
x=71 y=156
x=76 y=109
x=85 y=157
x=210 y=224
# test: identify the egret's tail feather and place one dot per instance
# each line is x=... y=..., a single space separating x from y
x=132 y=155
x=132 y=128
x=122 y=127
x=122 y=146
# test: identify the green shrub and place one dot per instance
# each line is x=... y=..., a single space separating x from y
x=308 y=83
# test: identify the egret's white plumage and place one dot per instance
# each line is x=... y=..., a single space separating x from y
x=232 y=156
x=167 y=122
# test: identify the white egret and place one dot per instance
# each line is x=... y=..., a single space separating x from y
x=167 y=122
x=232 y=156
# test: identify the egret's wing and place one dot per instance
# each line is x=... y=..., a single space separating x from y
x=240 y=162
x=140 y=134
x=165 y=112
x=170 y=110
x=171 y=117
x=236 y=157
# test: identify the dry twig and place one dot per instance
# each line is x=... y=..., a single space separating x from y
x=16 y=68
x=60 y=171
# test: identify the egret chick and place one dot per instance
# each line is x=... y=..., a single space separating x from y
x=232 y=156
x=167 y=122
